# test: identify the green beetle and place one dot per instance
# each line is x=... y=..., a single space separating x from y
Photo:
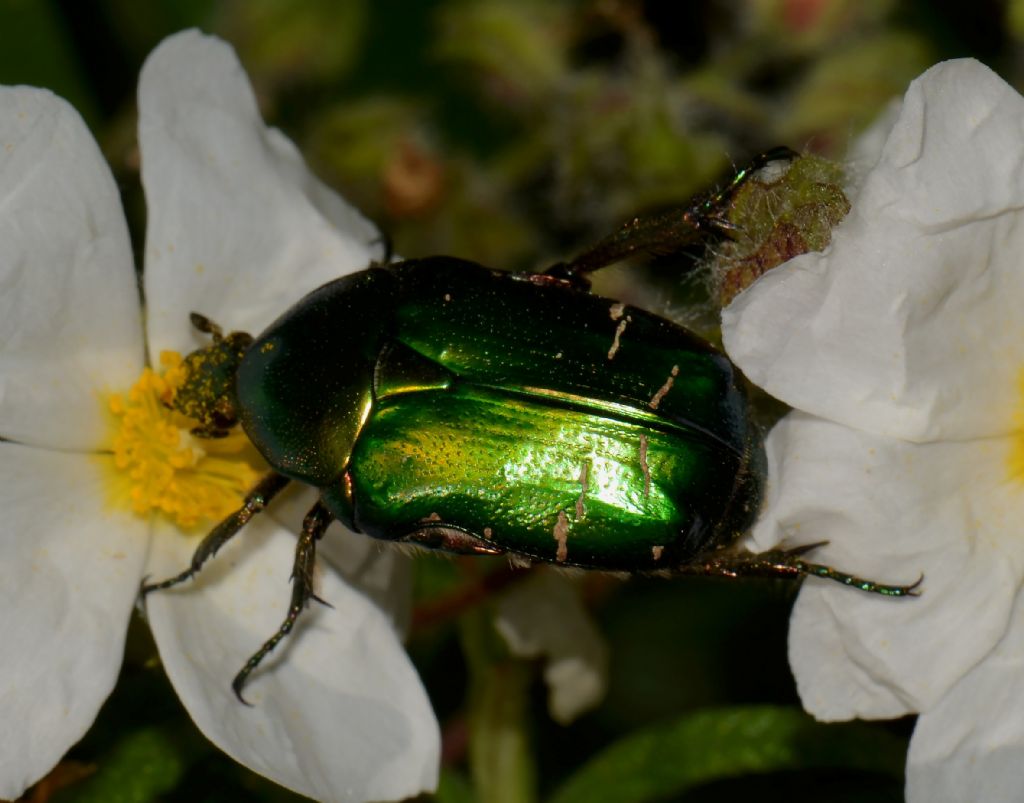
x=437 y=402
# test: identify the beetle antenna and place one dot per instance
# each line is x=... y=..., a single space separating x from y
x=206 y=326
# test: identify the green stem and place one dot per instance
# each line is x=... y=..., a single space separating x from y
x=500 y=756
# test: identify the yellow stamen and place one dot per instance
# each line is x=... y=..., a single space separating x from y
x=162 y=467
x=1016 y=457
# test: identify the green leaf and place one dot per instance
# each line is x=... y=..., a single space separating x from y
x=724 y=743
x=851 y=85
x=453 y=788
x=36 y=50
x=140 y=767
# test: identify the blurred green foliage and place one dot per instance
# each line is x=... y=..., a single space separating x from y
x=666 y=759
x=513 y=132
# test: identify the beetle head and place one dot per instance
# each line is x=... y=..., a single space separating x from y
x=208 y=391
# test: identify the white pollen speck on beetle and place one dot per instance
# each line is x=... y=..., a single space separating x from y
x=561 y=535
x=584 y=480
x=664 y=389
x=644 y=468
x=618 y=334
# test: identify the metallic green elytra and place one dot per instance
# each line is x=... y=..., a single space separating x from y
x=437 y=402
x=491 y=412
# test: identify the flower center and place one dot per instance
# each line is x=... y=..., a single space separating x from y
x=162 y=467
x=1015 y=463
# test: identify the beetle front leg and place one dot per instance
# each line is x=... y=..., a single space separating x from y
x=313 y=528
x=255 y=501
x=789 y=563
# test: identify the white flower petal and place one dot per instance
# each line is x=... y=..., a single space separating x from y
x=238 y=228
x=866 y=150
x=883 y=331
x=970 y=746
x=890 y=511
x=543 y=616
x=379 y=570
x=338 y=710
x=68 y=579
x=70 y=321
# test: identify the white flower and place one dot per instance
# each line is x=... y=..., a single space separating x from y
x=238 y=229
x=544 y=616
x=901 y=349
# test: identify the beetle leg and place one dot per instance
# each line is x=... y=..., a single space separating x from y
x=788 y=563
x=255 y=501
x=451 y=540
x=666 y=232
x=313 y=528
x=819 y=570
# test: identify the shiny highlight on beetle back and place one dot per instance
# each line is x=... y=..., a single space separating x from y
x=564 y=484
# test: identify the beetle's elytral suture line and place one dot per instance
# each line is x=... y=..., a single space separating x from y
x=313 y=527
x=255 y=501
